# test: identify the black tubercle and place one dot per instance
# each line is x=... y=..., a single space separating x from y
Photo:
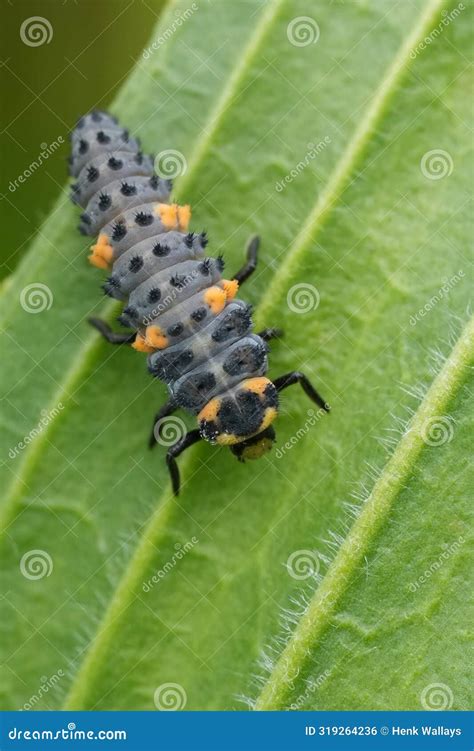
x=128 y=189
x=92 y=173
x=113 y=281
x=105 y=201
x=128 y=312
x=176 y=329
x=135 y=264
x=160 y=250
x=102 y=137
x=205 y=266
x=199 y=314
x=143 y=219
x=119 y=230
x=115 y=163
x=178 y=281
x=154 y=295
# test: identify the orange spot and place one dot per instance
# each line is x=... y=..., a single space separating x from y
x=215 y=297
x=184 y=217
x=209 y=412
x=230 y=287
x=140 y=344
x=102 y=253
x=257 y=385
x=173 y=216
x=98 y=261
x=154 y=337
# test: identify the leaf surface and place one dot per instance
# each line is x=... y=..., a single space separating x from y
x=379 y=240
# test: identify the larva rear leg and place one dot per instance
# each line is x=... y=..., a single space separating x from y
x=109 y=335
x=251 y=263
x=296 y=377
x=193 y=436
x=164 y=411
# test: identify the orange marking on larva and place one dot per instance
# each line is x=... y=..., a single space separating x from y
x=209 y=412
x=257 y=385
x=216 y=298
x=230 y=287
x=102 y=253
x=154 y=337
x=99 y=262
x=173 y=216
x=184 y=217
x=141 y=346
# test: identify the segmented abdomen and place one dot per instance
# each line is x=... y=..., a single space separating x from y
x=197 y=335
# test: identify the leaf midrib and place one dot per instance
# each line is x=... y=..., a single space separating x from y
x=332 y=193
x=395 y=474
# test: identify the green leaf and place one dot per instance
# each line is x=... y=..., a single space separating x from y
x=324 y=150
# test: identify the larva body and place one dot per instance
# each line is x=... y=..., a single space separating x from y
x=198 y=337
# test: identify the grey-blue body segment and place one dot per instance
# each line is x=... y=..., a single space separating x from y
x=161 y=275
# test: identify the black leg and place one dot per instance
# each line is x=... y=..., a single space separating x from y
x=193 y=436
x=164 y=411
x=109 y=335
x=270 y=333
x=296 y=377
x=251 y=264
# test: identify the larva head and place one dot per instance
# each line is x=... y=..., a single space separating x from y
x=241 y=418
x=255 y=447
